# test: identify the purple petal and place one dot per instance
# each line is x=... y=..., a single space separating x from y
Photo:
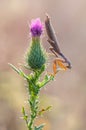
x=36 y=27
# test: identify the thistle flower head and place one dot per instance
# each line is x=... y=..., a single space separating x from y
x=36 y=55
x=36 y=28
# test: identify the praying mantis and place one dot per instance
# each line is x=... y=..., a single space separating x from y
x=62 y=62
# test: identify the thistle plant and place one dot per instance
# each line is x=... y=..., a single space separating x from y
x=35 y=61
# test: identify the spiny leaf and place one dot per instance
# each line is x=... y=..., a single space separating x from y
x=25 y=116
x=39 y=127
x=44 y=110
x=19 y=71
x=47 y=79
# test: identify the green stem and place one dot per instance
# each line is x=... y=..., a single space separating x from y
x=33 y=101
x=34 y=89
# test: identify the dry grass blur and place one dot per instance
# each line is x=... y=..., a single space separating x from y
x=67 y=93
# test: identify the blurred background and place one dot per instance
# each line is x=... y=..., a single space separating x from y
x=67 y=94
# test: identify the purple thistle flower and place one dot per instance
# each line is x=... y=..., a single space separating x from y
x=36 y=27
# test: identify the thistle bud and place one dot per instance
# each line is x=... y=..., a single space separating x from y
x=36 y=56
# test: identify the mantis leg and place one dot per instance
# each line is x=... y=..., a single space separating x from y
x=58 y=62
x=51 y=49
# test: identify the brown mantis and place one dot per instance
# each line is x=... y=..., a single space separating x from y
x=63 y=62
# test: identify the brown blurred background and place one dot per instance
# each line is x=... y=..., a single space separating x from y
x=67 y=94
